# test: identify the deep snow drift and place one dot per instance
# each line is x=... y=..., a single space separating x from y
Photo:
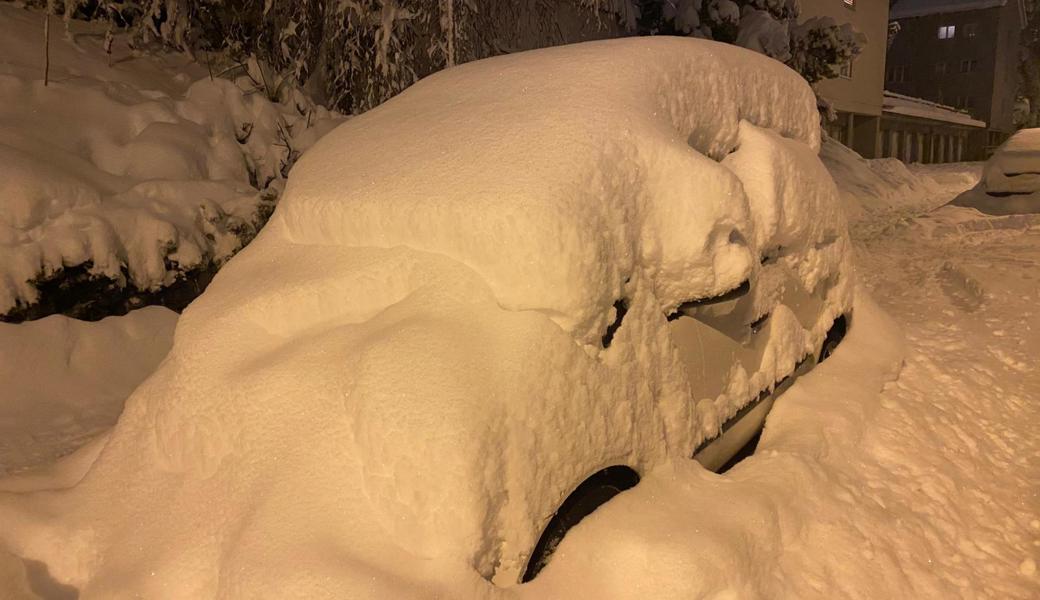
x=130 y=171
x=877 y=192
x=64 y=381
x=388 y=391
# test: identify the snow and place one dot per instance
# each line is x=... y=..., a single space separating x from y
x=389 y=390
x=1015 y=166
x=1010 y=180
x=760 y=32
x=138 y=183
x=677 y=180
x=340 y=414
x=871 y=480
x=65 y=380
x=916 y=107
x=877 y=192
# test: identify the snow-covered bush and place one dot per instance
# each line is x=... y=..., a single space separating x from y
x=817 y=48
x=131 y=186
x=352 y=54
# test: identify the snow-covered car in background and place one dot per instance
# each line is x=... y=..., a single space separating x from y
x=480 y=311
x=1010 y=181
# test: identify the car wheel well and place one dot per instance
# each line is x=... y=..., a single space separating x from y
x=835 y=335
x=592 y=493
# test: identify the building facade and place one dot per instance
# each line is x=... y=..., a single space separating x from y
x=916 y=130
x=856 y=96
x=962 y=54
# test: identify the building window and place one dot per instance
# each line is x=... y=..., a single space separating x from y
x=946 y=32
x=898 y=74
x=969 y=66
x=846 y=70
x=971 y=30
x=940 y=68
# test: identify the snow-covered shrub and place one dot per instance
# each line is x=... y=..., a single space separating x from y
x=760 y=32
x=131 y=187
x=817 y=48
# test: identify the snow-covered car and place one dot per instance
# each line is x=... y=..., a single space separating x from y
x=480 y=311
x=1010 y=181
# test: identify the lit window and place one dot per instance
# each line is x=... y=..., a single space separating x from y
x=946 y=32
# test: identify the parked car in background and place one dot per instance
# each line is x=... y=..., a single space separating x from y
x=1010 y=181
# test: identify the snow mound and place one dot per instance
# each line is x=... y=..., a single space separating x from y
x=876 y=188
x=388 y=391
x=136 y=185
x=1010 y=180
x=510 y=143
x=65 y=380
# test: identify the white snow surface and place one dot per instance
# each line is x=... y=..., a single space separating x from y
x=390 y=389
x=667 y=108
x=878 y=192
x=1015 y=166
x=1010 y=179
x=129 y=167
x=905 y=467
x=64 y=381
x=270 y=454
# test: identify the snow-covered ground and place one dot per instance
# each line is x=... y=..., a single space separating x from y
x=904 y=467
x=65 y=381
x=877 y=193
x=872 y=480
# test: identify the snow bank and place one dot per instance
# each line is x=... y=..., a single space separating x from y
x=873 y=189
x=138 y=185
x=391 y=389
x=64 y=381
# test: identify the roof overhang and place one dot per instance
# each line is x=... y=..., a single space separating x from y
x=908 y=106
x=920 y=8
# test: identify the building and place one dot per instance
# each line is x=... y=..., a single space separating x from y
x=857 y=95
x=960 y=54
x=916 y=130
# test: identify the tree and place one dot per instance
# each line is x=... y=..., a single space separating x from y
x=817 y=48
